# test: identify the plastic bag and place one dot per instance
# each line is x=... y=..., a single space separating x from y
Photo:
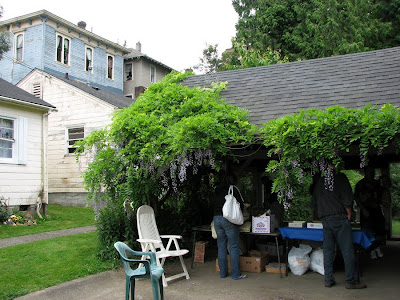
x=317 y=261
x=231 y=209
x=298 y=259
x=213 y=232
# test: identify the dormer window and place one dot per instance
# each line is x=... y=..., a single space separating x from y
x=63 y=49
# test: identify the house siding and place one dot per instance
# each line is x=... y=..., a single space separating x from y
x=141 y=74
x=40 y=52
x=74 y=109
x=22 y=184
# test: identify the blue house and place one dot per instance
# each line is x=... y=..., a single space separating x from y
x=47 y=42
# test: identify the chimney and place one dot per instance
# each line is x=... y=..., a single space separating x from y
x=139 y=46
x=82 y=24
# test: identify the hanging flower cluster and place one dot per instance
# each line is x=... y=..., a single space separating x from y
x=312 y=140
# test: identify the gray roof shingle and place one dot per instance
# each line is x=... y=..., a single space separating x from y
x=10 y=91
x=352 y=81
x=117 y=100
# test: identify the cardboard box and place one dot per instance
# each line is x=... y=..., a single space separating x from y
x=264 y=224
x=315 y=225
x=257 y=253
x=274 y=268
x=297 y=224
x=248 y=263
x=200 y=251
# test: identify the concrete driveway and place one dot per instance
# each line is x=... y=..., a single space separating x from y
x=381 y=276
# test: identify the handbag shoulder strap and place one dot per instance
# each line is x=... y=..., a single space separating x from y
x=230 y=190
x=238 y=191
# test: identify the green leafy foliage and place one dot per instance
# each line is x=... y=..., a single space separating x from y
x=5 y=43
x=318 y=28
x=165 y=149
x=395 y=190
x=312 y=139
x=239 y=57
x=243 y=57
x=154 y=151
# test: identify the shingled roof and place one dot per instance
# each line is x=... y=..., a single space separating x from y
x=12 y=93
x=117 y=100
x=273 y=91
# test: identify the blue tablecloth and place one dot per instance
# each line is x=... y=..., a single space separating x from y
x=361 y=237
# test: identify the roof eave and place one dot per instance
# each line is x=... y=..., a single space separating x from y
x=25 y=103
x=45 y=13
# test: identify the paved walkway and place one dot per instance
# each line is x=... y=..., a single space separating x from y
x=45 y=235
x=381 y=276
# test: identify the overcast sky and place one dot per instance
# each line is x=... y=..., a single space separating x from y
x=174 y=32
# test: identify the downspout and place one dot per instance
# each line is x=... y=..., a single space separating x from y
x=45 y=178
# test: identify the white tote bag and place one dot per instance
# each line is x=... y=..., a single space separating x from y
x=231 y=209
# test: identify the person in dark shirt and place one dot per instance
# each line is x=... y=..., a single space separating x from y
x=333 y=205
x=368 y=196
x=227 y=232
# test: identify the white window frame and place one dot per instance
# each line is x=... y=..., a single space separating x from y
x=125 y=71
x=16 y=47
x=19 y=140
x=63 y=38
x=113 y=64
x=68 y=139
x=91 y=63
x=153 y=76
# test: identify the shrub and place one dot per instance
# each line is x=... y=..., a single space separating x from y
x=4 y=214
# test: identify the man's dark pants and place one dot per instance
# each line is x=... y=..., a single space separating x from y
x=337 y=229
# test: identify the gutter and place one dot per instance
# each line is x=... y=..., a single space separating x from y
x=25 y=103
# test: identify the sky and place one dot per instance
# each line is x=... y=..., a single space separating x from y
x=173 y=32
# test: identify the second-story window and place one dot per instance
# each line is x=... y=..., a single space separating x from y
x=110 y=67
x=128 y=72
x=152 y=74
x=19 y=47
x=63 y=49
x=89 y=59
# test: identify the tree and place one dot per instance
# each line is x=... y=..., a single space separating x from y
x=210 y=62
x=241 y=57
x=317 y=28
x=4 y=38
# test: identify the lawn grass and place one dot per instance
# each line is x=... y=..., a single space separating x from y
x=37 y=265
x=60 y=217
x=395 y=227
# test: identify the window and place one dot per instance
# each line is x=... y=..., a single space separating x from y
x=152 y=74
x=128 y=72
x=73 y=135
x=63 y=49
x=19 y=47
x=110 y=67
x=12 y=140
x=89 y=60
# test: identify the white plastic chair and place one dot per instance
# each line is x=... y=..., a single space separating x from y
x=151 y=240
